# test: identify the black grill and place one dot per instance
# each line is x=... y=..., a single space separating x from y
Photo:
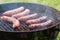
x=16 y=34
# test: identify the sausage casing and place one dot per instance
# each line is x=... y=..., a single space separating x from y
x=38 y=20
x=40 y=25
x=15 y=22
x=14 y=11
x=25 y=18
x=27 y=11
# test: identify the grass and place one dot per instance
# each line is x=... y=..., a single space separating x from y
x=52 y=3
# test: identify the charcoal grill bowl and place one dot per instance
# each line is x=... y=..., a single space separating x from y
x=49 y=33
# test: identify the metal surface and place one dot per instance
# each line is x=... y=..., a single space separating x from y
x=40 y=9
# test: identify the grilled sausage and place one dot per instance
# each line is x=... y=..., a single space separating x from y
x=27 y=11
x=15 y=22
x=39 y=25
x=14 y=11
x=25 y=18
x=38 y=20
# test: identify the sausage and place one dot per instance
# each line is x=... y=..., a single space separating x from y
x=38 y=20
x=25 y=18
x=15 y=22
x=14 y=11
x=27 y=11
x=39 y=25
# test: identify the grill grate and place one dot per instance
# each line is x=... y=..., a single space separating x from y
x=5 y=26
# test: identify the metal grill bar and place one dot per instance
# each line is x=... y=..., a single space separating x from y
x=25 y=26
x=2 y=26
x=5 y=26
x=8 y=26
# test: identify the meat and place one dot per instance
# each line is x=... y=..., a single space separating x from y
x=14 y=11
x=25 y=18
x=16 y=23
x=38 y=20
x=39 y=25
x=27 y=11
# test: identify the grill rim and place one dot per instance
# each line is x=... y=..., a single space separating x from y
x=34 y=30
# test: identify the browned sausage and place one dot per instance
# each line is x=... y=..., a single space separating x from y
x=38 y=20
x=14 y=11
x=27 y=11
x=39 y=25
x=15 y=22
x=25 y=18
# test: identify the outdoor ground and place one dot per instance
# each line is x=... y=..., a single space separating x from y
x=52 y=3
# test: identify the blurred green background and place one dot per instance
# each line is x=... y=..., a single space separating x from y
x=52 y=3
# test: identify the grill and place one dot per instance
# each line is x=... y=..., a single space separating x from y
x=47 y=33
